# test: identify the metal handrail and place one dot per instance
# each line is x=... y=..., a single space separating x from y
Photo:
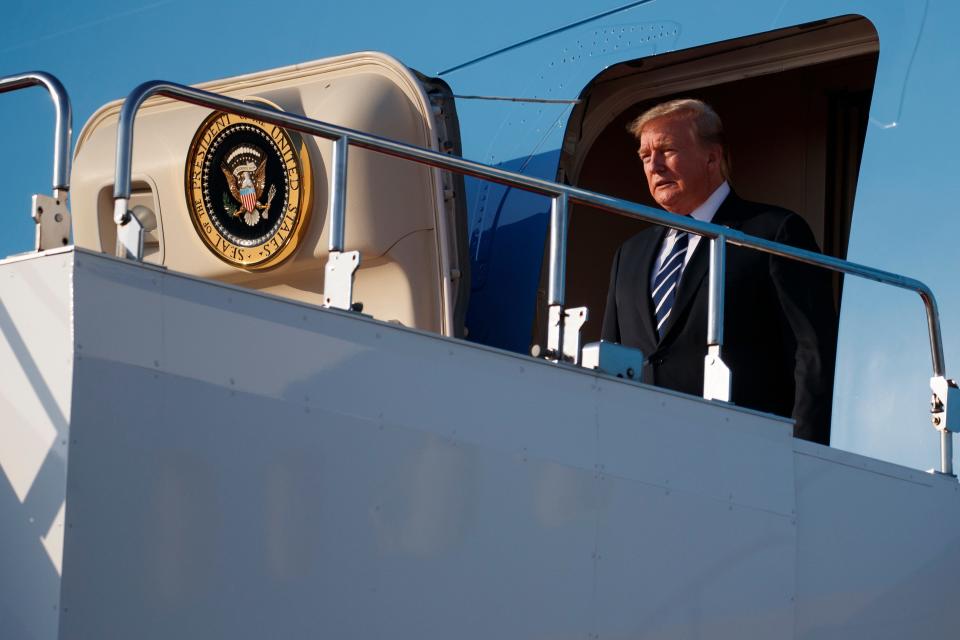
x=64 y=120
x=561 y=195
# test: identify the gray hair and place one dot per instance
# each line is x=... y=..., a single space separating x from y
x=706 y=124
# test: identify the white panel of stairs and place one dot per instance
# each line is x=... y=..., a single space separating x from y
x=245 y=466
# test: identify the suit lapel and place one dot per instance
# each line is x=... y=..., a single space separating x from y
x=696 y=270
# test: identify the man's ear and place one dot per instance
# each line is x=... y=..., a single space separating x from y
x=715 y=156
x=714 y=153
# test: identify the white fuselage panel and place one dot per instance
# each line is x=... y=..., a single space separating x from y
x=244 y=466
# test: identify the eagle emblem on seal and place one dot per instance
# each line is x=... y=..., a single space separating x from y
x=245 y=168
x=248 y=189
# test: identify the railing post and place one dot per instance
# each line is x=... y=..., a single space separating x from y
x=556 y=287
x=338 y=191
x=341 y=265
x=556 y=279
x=563 y=325
x=716 y=374
x=945 y=392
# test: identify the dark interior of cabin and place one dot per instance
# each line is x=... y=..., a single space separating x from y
x=794 y=103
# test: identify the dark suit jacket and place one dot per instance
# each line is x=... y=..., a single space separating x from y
x=779 y=322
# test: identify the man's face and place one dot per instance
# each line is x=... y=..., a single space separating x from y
x=681 y=171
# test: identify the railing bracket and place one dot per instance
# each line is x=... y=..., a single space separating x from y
x=716 y=376
x=53 y=222
x=129 y=233
x=564 y=327
x=945 y=394
x=338 y=279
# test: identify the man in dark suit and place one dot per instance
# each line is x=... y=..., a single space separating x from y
x=779 y=320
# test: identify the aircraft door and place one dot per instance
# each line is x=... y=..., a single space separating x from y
x=229 y=198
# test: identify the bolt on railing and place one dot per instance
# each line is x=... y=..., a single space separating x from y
x=716 y=375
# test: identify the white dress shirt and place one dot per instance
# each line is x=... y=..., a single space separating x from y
x=705 y=213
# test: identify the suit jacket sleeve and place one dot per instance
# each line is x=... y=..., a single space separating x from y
x=611 y=322
x=806 y=297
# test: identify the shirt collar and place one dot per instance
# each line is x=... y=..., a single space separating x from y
x=708 y=209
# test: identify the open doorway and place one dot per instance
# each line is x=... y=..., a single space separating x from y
x=794 y=103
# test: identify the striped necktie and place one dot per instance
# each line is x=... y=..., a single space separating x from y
x=666 y=280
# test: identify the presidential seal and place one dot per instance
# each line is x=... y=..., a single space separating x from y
x=248 y=189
